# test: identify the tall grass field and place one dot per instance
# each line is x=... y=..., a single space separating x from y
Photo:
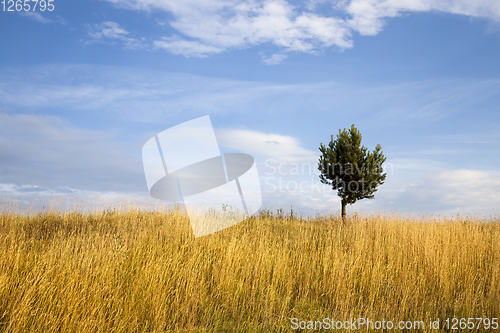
x=130 y=270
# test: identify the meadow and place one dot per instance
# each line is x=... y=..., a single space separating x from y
x=130 y=270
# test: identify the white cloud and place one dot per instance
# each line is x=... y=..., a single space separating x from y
x=187 y=48
x=36 y=17
x=282 y=148
x=109 y=32
x=222 y=25
x=287 y=170
x=275 y=59
x=212 y=26
x=368 y=15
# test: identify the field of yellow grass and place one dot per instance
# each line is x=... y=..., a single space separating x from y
x=138 y=271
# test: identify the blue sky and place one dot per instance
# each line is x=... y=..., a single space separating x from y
x=84 y=86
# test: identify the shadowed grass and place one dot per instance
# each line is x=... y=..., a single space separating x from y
x=137 y=271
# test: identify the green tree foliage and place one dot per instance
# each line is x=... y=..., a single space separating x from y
x=350 y=168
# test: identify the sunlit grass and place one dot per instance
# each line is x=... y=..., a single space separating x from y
x=138 y=271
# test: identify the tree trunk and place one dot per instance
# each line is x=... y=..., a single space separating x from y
x=343 y=210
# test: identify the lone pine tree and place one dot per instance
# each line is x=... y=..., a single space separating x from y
x=350 y=168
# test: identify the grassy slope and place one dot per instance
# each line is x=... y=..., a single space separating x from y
x=145 y=272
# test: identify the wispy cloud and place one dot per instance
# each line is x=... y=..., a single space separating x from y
x=275 y=59
x=29 y=198
x=368 y=16
x=36 y=16
x=187 y=48
x=160 y=95
x=47 y=152
x=112 y=32
x=432 y=100
x=442 y=191
x=210 y=27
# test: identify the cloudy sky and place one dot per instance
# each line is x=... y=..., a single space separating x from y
x=84 y=85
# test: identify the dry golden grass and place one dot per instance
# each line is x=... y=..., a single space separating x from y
x=137 y=271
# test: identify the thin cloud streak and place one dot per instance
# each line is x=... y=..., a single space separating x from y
x=36 y=16
x=46 y=151
x=112 y=32
x=161 y=96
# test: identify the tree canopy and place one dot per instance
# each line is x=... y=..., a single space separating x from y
x=350 y=168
